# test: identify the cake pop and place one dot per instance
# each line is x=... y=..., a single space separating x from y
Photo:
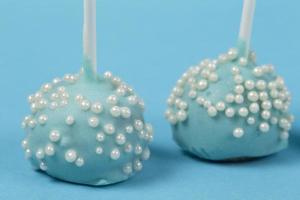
x=230 y=108
x=87 y=128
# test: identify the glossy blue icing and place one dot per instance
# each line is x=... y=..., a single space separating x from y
x=81 y=137
x=212 y=137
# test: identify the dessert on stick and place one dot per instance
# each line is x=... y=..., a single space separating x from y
x=231 y=107
x=87 y=128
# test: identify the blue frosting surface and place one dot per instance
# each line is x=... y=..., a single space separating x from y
x=202 y=119
x=87 y=130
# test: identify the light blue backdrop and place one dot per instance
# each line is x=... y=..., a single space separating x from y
x=149 y=44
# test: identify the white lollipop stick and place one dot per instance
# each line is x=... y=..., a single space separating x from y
x=246 y=24
x=89 y=36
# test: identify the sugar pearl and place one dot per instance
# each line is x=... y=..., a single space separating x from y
x=40 y=154
x=243 y=112
x=100 y=137
x=230 y=112
x=93 y=122
x=181 y=115
x=138 y=166
x=97 y=108
x=254 y=108
x=70 y=120
x=212 y=111
x=125 y=112
x=49 y=150
x=109 y=129
x=54 y=136
x=120 y=139
x=85 y=105
x=284 y=135
x=253 y=96
x=99 y=150
x=202 y=85
x=264 y=127
x=138 y=149
x=115 y=111
x=238 y=133
x=249 y=84
x=251 y=120
x=71 y=156
x=139 y=125
x=43 y=119
x=79 y=162
x=115 y=154
x=220 y=106
x=127 y=169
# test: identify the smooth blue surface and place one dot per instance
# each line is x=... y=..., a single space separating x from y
x=149 y=44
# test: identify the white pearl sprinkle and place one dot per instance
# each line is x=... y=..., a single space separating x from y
x=146 y=154
x=40 y=154
x=212 y=111
x=128 y=148
x=79 y=162
x=251 y=120
x=230 y=112
x=97 y=108
x=125 y=112
x=138 y=166
x=49 y=150
x=27 y=153
x=249 y=84
x=243 y=112
x=71 y=156
x=93 y=122
x=264 y=127
x=43 y=166
x=115 y=111
x=229 y=98
x=85 y=105
x=70 y=120
x=129 y=129
x=254 y=108
x=120 y=139
x=127 y=169
x=109 y=129
x=54 y=136
x=100 y=137
x=25 y=144
x=43 y=119
x=139 y=125
x=138 y=149
x=220 y=106
x=266 y=114
x=181 y=115
x=202 y=85
x=132 y=100
x=112 y=100
x=239 y=99
x=253 y=96
x=115 y=154
x=99 y=150
x=238 y=133
x=284 y=135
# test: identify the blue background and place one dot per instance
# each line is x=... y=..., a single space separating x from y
x=149 y=44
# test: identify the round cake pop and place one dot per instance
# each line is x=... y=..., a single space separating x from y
x=231 y=108
x=86 y=128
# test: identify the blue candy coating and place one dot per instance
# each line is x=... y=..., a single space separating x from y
x=95 y=162
x=201 y=126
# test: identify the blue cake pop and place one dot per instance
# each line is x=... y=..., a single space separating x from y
x=86 y=128
x=231 y=108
